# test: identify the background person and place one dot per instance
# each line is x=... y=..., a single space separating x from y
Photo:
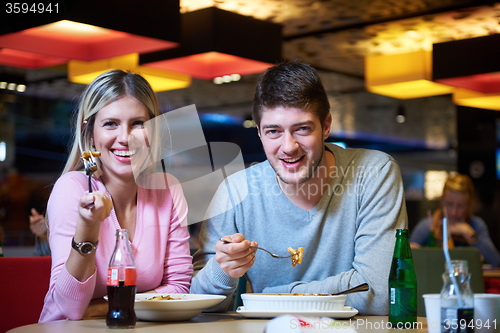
x=465 y=229
x=38 y=227
x=111 y=107
x=342 y=205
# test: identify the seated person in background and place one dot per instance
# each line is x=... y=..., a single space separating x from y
x=342 y=206
x=113 y=106
x=39 y=228
x=465 y=229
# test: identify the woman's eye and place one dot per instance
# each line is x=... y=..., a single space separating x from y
x=110 y=124
x=138 y=124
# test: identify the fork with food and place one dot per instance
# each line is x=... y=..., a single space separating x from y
x=296 y=254
x=90 y=165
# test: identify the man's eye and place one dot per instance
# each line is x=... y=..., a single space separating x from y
x=272 y=133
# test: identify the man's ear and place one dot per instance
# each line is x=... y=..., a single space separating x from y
x=327 y=124
x=258 y=132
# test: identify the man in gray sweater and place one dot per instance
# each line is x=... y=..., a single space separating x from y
x=342 y=206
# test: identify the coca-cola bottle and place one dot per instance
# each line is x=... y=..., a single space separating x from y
x=121 y=284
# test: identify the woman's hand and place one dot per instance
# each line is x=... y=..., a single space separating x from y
x=237 y=257
x=415 y=246
x=37 y=225
x=101 y=209
x=87 y=230
x=98 y=308
x=463 y=230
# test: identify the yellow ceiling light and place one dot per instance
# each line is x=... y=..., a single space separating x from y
x=403 y=75
x=85 y=72
x=476 y=99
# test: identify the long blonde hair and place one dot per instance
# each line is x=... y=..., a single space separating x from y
x=461 y=184
x=106 y=88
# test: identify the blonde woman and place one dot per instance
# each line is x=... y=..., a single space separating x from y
x=116 y=104
x=466 y=229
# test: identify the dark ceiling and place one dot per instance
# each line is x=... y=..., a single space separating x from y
x=333 y=35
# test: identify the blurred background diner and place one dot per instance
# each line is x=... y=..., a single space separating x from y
x=466 y=229
x=431 y=133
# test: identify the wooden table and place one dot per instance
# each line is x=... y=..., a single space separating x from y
x=491 y=273
x=206 y=323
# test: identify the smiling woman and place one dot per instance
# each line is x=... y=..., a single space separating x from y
x=112 y=107
x=113 y=126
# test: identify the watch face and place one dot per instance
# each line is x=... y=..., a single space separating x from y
x=86 y=248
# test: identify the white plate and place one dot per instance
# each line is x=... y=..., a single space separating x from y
x=348 y=312
x=292 y=302
x=185 y=308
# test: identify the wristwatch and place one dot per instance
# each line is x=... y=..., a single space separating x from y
x=84 y=248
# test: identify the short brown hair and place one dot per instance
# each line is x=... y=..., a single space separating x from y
x=290 y=84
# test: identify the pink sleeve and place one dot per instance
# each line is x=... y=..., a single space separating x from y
x=67 y=297
x=178 y=267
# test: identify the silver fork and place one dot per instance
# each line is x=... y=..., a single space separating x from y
x=225 y=241
x=90 y=167
x=90 y=164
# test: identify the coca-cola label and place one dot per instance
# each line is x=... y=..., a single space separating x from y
x=114 y=277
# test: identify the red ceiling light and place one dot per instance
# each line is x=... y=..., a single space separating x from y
x=89 y=30
x=470 y=63
x=209 y=65
x=485 y=83
x=215 y=42
x=15 y=58
x=473 y=67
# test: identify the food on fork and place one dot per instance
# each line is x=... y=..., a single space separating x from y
x=89 y=162
x=86 y=154
x=297 y=255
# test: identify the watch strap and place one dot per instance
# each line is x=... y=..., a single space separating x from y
x=78 y=246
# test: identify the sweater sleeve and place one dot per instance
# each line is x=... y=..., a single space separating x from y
x=209 y=278
x=380 y=211
x=178 y=266
x=420 y=234
x=67 y=297
x=484 y=243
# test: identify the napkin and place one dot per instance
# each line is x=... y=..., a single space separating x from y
x=300 y=324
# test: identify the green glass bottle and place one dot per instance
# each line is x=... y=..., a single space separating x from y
x=402 y=284
x=431 y=241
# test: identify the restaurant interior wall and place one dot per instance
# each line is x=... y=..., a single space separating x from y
x=478 y=136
